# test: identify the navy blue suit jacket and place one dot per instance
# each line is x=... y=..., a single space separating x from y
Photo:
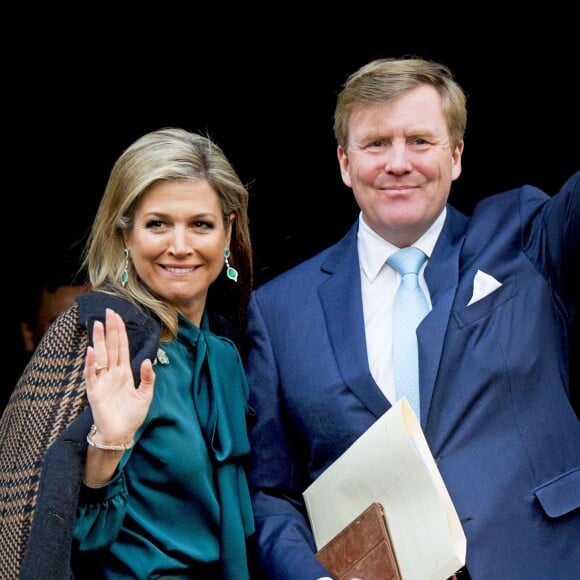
x=495 y=404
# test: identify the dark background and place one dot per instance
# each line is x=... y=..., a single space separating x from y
x=77 y=95
x=270 y=106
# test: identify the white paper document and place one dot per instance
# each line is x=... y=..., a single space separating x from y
x=391 y=463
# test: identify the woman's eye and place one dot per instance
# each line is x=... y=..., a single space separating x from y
x=153 y=224
x=204 y=225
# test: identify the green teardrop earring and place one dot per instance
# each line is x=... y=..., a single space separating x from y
x=231 y=273
x=125 y=274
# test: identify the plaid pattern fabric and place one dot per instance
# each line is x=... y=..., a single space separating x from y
x=48 y=397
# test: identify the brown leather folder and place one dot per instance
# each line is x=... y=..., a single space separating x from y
x=362 y=549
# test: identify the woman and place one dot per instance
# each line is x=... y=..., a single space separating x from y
x=124 y=442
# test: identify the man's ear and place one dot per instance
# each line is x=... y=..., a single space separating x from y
x=27 y=336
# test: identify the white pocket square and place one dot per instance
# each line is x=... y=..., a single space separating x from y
x=483 y=284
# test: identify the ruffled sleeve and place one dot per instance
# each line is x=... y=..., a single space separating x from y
x=100 y=514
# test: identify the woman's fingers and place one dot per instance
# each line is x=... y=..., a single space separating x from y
x=118 y=408
x=114 y=326
x=101 y=358
x=110 y=345
x=89 y=372
x=122 y=342
x=147 y=379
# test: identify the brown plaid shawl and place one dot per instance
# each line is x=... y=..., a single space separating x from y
x=42 y=432
x=48 y=397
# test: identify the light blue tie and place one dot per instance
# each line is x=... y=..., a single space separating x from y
x=409 y=308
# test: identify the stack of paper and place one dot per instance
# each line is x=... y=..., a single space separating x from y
x=391 y=463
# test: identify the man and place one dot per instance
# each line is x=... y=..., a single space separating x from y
x=53 y=288
x=53 y=298
x=493 y=349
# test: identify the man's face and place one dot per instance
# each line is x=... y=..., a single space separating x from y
x=400 y=163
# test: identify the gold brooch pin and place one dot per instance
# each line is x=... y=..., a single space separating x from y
x=161 y=357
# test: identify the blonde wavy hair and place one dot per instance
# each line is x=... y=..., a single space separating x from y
x=385 y=79
x=169 y=154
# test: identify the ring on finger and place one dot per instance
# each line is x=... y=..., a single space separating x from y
x=100 y=367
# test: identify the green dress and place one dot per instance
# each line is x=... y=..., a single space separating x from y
x=180 y=499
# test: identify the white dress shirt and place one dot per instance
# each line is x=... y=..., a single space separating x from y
x=379 y=283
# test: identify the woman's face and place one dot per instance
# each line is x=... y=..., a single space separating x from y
x=177 y=243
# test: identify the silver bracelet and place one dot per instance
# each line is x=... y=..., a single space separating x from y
x=121 y=447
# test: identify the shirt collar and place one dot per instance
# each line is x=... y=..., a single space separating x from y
x=373 y=250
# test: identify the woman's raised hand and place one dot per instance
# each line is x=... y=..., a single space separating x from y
x=118 y=407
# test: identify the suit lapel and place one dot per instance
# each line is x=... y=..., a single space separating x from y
x=341 y=300
x=441 y=275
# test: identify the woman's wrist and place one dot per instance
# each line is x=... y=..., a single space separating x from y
x=106 y=447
